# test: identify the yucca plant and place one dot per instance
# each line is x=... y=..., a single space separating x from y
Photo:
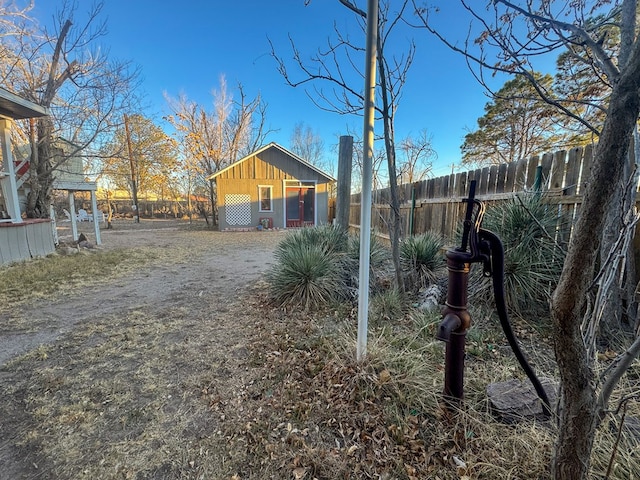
x=318 y=265
x=531 y=232
x=422 y=259
x=379 y=262
x=378 y=252
x=305 y=274
x=328 y=237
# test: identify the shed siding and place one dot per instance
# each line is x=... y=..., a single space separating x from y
x=269 y=167
x=273 y=165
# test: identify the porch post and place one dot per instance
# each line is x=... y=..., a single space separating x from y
x=8 y=182
x=54 y=225
x=72 y=213
x=96 y=222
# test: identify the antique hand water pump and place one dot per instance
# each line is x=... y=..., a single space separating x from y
x=477 y=246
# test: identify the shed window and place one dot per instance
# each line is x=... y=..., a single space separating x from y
x=264 y=193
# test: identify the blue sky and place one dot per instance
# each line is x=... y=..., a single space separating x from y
x=184 y=47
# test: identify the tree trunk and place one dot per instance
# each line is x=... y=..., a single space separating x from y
x=212 y=200
x=619 y=312
x=621 y=298
x=396 y=219
x=395 y=229
x=109 y=212
x=41 y=171
x=612 y=314
x=579 y=415
x=40 y=179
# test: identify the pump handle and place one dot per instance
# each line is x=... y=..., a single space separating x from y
x=466 y=228
x=496 y=249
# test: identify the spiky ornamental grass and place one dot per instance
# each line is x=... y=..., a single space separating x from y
x=532 y=233
x=378 y=253
x=306 y=275
x=310 y=267
x=379 y=264
x=328 y=237
x=319 y=265
x=422 y=259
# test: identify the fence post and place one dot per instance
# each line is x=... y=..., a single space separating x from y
x=413 y=208
x=343 y=193
x=537 y=184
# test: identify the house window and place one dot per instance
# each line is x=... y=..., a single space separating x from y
x=264 y=193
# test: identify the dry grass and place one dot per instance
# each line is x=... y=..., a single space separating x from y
x=135 y=397
x=43 y=277
x=334 y=418
x=244 y=391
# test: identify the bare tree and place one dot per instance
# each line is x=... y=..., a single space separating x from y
x=547 y=27
x=309 y=146
x=215 y=139
x=345 y=96
x=85 y=92
x=415 y=161
x=15 y=24
x=379 y=177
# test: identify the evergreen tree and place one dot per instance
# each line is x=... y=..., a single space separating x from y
x=516 y=124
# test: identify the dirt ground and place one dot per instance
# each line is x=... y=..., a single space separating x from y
x=179 y=368
x=213 y=265
x=196 y=287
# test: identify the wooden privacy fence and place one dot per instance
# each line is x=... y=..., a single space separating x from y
x=436 y=204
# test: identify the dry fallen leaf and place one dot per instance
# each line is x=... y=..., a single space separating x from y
x=461 y=467
x=299 y=473
x=607 y=355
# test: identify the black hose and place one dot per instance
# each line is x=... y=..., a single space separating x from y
x=497 y=267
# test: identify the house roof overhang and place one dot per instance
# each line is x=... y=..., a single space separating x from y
x=12 y=106
x=284 y=150
x=75 y=186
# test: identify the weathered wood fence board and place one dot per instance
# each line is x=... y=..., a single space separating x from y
x=438 y=206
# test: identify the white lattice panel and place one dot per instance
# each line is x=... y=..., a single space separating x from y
x=238 y=209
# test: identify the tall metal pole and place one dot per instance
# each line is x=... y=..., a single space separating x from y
x=134 y=187
x=367 y=175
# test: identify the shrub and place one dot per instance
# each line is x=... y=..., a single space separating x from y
x=306 y=274
x=422 y=259
x=531 y=232
x=318 y=265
